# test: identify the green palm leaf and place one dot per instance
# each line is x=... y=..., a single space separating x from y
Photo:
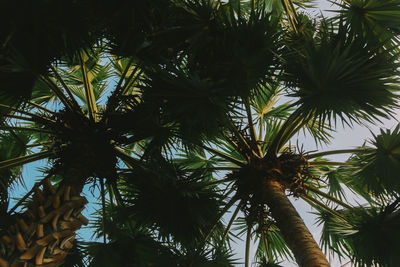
x=235 y=49
x=12 y=145
x=140 y=250
x=42 y=94
x=369 y=235
x=171 y=201
x=16 y=83
x=374 y=20
x=76 y=256
x=338 y=76
x=197 y=105
x=377 y=168
x=273 y=247
x=265 y=103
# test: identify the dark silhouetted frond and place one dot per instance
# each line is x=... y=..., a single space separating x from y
x=173 y=202
x=337 y=76
x=378 y=167
x=369 y=235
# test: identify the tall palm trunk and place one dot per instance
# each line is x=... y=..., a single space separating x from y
x=292 y=227
x=44 y=233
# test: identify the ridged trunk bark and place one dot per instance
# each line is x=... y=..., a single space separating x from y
x=292 y=227
x=44 y=233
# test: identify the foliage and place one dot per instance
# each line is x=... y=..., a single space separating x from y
x=181 y=114
x=336 y=65
x=380 y=163
x=360 y=229
x=171 y=201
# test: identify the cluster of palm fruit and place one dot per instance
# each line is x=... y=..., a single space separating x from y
x=44 y=233
x=289 y=168
x=297 y=170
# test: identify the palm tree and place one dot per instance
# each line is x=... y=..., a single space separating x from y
x=44 y=232
x=204 y=82
x=85 y=141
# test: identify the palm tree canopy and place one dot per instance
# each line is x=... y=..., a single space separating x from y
x=181 y=113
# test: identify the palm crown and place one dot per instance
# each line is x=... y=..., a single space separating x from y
x=192 y=129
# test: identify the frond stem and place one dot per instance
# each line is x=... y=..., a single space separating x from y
x=131 y=81
x=266 y=246
x=330 y=163
x=230 y=223
x=325 y=195
x=40 y=144
x=37 y=120
x=225 y=156
x=111 y=195
x=40 y=107
x=238 y=135
x=59 y=93
x=35 y=186
x=128 y=160
x=103 y=206
x=254 y=139
x=9 y=163
x=114 y=96
x=289 y=15
x=28 y=129
x=22 y=111
x=61 y=80
x=118 y=88
x=333 y=152
x=248 y=239
x=313 y=201
x=90 y=98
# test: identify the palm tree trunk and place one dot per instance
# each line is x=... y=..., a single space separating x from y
x=292 y=227
x=45 y=232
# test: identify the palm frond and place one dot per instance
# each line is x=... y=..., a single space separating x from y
x=377 y=167
x=97 y=74
x=76 y=256
x=265 y=103
x=12 y=145
x=334 y=182
x=171 y=201
x=273 y=248
x=235 y=48
x=337 y=76
x=369 y=235
x=144 y=126
x=376 y=21
x=196 y=104
x=140 y=250
x=197 y=160
x=16 y=83
x=59 y=30
x=42 y=94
